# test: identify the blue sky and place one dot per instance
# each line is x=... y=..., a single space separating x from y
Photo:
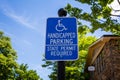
x=24 y=21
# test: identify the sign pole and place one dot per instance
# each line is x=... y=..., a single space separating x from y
x=61 y=64
x=61 y=41
x=61 y=70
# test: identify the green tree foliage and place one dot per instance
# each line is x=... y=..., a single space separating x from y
x=23 y=73
x=7 y=58
x=9 y=68
x=74 y=69
x=99 y=16
x=53 y=66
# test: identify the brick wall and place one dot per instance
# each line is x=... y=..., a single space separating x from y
x=107 y=64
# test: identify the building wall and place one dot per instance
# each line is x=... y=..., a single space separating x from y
x=107 y=63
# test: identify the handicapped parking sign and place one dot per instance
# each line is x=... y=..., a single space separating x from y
x=60 y=27
x=61 y=39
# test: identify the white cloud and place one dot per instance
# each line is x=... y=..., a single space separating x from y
x=8 y=33
x=115 y=6
x=24 y=20
x=115 y=10
x=2 y=24
x=27 y=42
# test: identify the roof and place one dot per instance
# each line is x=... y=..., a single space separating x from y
x=98 y=45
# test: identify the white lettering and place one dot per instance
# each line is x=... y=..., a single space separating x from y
x=68 y=48
x=61 y=41
x=52 y=48
x=61 y=54
x=61 y=35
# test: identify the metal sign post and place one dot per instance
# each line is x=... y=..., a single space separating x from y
x=61 y=70
x=61 y=64
x=61 y=41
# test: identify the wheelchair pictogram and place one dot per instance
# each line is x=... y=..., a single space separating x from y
x=60 y=27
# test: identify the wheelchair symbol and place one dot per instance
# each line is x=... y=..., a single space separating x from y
x=60 y=27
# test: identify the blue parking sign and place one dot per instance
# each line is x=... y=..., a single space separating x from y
x=61 y=39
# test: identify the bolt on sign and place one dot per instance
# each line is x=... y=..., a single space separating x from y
x=61 y=39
